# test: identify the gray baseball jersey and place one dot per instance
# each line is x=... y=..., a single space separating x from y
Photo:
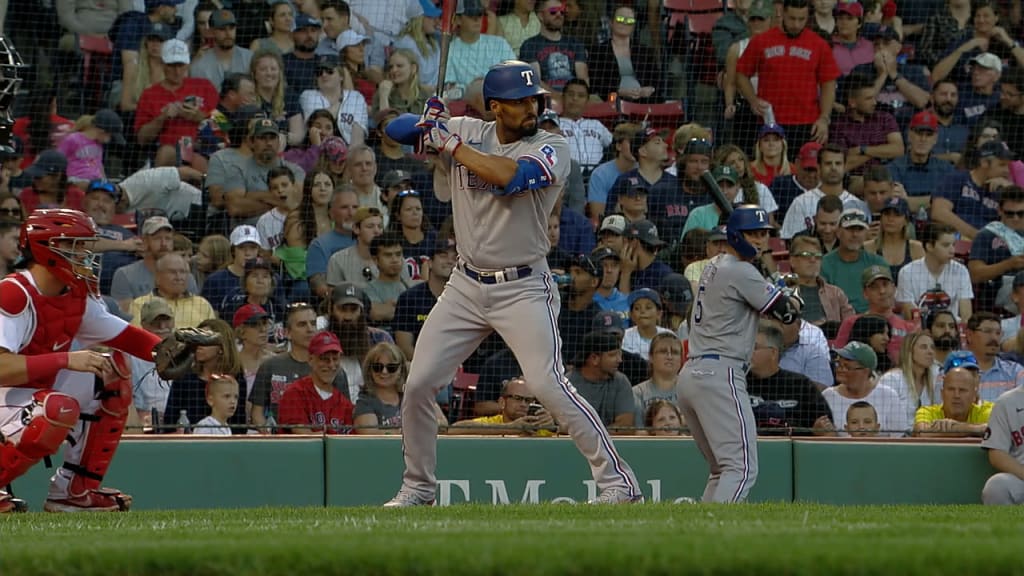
x=1006 y=425
x=496 y=232
x=731 y=296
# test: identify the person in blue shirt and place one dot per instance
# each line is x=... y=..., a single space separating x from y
x=343 y=207
x=640 y=267
x=968 y=201
x=919 y=171
x=607 y=297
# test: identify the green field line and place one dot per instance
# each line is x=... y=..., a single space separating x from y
x=536 y=540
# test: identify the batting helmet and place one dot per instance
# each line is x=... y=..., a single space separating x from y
x=512 y=80
x=745 y=218
x=61 y=240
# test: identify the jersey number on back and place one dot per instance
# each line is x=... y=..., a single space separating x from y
x=698 y=309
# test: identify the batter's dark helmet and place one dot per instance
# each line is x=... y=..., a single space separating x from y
x=745 y=218
x=512 y=80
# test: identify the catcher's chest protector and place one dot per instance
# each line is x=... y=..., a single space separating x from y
x=57 y=318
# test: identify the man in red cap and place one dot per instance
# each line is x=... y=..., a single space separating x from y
x=918 y=170
x=312 y=404
x=805 y=177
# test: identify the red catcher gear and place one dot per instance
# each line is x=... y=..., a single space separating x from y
x=77 y=266
x=53 y=416
x=101 y=440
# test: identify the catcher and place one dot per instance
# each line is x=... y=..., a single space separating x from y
x=48 y=393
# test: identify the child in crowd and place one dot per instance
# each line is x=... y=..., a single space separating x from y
x=222 y=398
x=645 y=312
x=281 y=183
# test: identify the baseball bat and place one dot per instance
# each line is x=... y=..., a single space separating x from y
x=716 y=193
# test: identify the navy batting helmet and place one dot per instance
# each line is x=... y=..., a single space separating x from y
x=512 y=80
x=745 y=218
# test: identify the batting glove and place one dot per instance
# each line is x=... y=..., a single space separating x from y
x=437 y=138
x=434 y=111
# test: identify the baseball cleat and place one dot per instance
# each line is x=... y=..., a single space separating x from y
x=618 y=496
x=406 y=499
x=100 y=500
x=11 y=505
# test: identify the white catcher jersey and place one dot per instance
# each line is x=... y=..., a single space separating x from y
x=1006 y=425
x=731 y=297
x=496 y=232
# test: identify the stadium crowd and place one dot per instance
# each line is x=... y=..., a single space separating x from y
x=234 y=158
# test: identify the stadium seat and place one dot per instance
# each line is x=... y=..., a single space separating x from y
x=462 y=395
x=699 y=16
x=603 y=111
x=97 y=61
x=962 y=250
x=666 y=115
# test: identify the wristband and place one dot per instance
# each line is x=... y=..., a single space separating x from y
x=44 y=367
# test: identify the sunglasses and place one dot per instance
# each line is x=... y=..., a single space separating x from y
x=524 y=399
x=328 y=71
x=10 y=211
x=405 y=193
x=556 y=10
x=107 y=187
x=389 y=368
x=629 y=20
x=1013 y=213
x=809 y=254
x=853 y=218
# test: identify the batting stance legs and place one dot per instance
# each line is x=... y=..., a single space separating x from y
x=725 y=430
x=524 y=312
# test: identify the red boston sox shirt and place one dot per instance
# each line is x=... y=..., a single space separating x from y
x=302 y=405
x=156 y=96
x=789 y=71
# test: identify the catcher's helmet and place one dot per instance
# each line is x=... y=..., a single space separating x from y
x=745 y=218
x=75 y=264
x=512 y=80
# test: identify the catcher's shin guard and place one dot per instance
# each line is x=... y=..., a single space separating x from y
x=104 y=432
x=53 y=415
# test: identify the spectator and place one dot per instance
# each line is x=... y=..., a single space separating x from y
x=84 y=148
x=825 y=305
x=751 y=191
x=893 y=242
x=188 y=394
x=806 y=351
x=900 y=86
x=137 y=279
x=968 y=201
x=663 y=418
x=1003 y=443
x=518 y=21
x=587 y=137
x=379 y=409
x=344 y=204
x=149 y=391
x=785 y=189
x=362 y=170
x=391 y=155
x=281 y=186
x=225 y=57
x=1010 y=113
x=472 y=53
x=252 y=325
x=868 y=136
x=676 y=296
x=670 y=209
x=11 y=175
x=555 y=58
x=621 y=66
x=984 y=37
x=1011 y=326
x=222 y=398
x=633 y=200
x=938 y=269
x=873 y=330
x=997 y=253
x=781 y=398
x=854 y=368
x=578 y=306
x=603 y=177
x=312 y=404
x=843 y=266
x=825 y=223
x=941 y=30
x=796 y=90
x=518 y=413
x=348 y=321
x=984 y=335
x=714 y=243
x=351 y=47
x=267 y=71
x=862 y=420
x=709 y=216
x=952 y=127
x=170 y=111
x=651 y=152
x=336 y=17
x=202 y=39
x=415 y=304
x=599 y=382
x=117 y=246
x=849 y=48
x=832 y=160
x=129 y=33
x=640 y=268
x=390 y=281
x=394 y=183
x=879 y=293
x=960 y=413
x=915 y=377
x=770 y=154
x=607 y=296
x=731 y=36
x=50 y=187
x=334 y=92
x=611 y=235
x=313 y=217
x=279 y=24
x=919 y=170
x=259 y=287
x=942 y=326
x=321 y=145
x=245 y=245
x=418 y=237
x=401 y=90
x=237 y=99
x=171 y=283
x=300 y=72
x=985 y=131
x=665 y=355
x=355 y=263
x=419 y=36
x=982 y=93
x=645 y=312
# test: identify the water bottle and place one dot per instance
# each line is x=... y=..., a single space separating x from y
x=769 y=115
x=562 y=279
x=271 y=424
x=184 y=426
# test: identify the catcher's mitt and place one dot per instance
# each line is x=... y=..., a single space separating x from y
x=175 y=355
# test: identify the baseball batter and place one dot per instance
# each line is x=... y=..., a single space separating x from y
x=503 y=178
x=731 y=296
x=1004 y=440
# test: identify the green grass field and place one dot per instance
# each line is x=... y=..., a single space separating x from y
x=536 y=540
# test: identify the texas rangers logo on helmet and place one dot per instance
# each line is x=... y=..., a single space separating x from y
x=527 y=77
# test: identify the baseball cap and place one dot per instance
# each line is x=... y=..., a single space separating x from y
x=249 y=314
x=860 y=353
x=602 y=253
x=988 y=60
x=675 y=289
x=244 y=234
x=852 y=217
x=646 y=232
x=334 y=148
x=174 y=51
x=599 y=343
x=608 y=321
x=303 y=20
x=644 y=293
x=960 y=359
x=767 y=129
x=808 y=156
x=588 y=265
x=697 y=146
x=262 y=127
x=155 y=308
x=109 y=121
x=852 y=8
x=159 y=30
x=762 y=9
x=364 y=212
x=222 y=19
x=874 y=272
x=349 y=38
x=104 y=186
x=48 y=162
x=636 y=187
x=395 y=177
x=154 y=224
x=347 y=293
x=994 y=149
x=725 y=172
x=442 y=245
x=469 y=8
x=328 y=61
x=717 y=234
x=430 y=10
x=548 y=115
x=925 y=121
x=642 y=136
x=615 y=223
x=324 y=342
x=257 y=263
x=898 y=204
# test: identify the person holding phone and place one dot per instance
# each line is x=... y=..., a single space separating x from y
x=520 y=413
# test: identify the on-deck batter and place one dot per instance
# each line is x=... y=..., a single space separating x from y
x=503 y=178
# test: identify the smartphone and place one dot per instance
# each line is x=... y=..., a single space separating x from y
x=534 y=408
x=190 y=100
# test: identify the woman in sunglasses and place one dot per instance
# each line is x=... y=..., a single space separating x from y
x=618 y=65
x=10 y=207
x=378 y=410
